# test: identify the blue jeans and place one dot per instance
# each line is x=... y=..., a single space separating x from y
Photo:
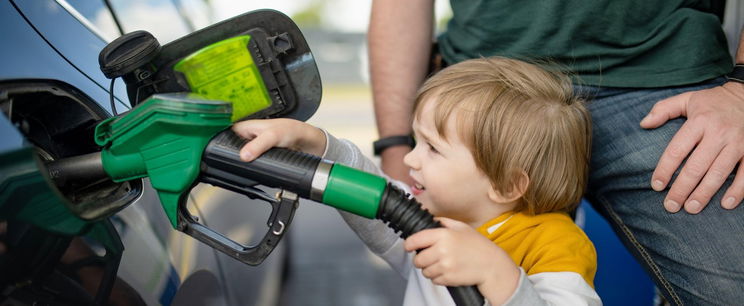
x=694 y=259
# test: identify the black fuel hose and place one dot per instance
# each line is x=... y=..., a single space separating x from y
x=406 y=216
x=300 y=172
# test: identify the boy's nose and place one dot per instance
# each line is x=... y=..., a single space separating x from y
x=410 y=159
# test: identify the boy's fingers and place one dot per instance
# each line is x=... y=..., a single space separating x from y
x=425 y=258
x=422 y=239
x=257 y=146
x=246 y=129
x=433 y=272
x=256 y=132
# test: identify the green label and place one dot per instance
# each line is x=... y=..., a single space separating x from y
x=226 y=71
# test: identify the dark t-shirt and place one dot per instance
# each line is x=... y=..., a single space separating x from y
x=615 y=43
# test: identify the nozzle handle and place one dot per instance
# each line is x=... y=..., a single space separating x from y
x=282 y=213
x=221 y=166
x=277 y=167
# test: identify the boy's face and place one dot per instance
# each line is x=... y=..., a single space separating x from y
x=447 y=181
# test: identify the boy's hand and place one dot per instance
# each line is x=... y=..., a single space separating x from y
x=457 y=255
x=285 y=133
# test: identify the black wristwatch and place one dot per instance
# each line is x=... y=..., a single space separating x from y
x=391 y=141
x=736 y=75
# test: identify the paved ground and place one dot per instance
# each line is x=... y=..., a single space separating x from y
x=328 y=265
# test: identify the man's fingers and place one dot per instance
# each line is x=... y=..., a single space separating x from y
x=666 y=110
x=695 y=168
x=676 y=151
x=712 y=181
x=710 y=141
x=734 y=194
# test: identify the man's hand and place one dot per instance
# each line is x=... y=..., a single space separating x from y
x=712 y=140
x=457 y=255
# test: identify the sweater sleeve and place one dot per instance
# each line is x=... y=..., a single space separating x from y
x=553 y=288
x=379 y=238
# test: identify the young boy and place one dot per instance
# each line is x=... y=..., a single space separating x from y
x=501 y=156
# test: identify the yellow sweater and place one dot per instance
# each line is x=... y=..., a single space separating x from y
x=549 y=242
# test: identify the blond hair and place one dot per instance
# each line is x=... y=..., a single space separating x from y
x=517 y=117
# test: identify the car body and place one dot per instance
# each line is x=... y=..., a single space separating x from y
x=53 y=93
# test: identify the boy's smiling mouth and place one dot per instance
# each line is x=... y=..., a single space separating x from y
x=417 y=189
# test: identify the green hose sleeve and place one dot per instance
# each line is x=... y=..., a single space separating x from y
x=355 y=191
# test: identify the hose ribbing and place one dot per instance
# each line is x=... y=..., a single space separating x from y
x=406 y=216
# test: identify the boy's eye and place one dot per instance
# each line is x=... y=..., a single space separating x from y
x=432 y=148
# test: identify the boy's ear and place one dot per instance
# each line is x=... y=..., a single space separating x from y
x=520 y=182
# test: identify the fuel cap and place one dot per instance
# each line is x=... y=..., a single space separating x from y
x=127 y=53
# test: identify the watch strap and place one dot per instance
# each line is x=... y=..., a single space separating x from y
x=390 y=141
x=736 y=75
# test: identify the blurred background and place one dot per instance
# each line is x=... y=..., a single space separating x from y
x=327 y=264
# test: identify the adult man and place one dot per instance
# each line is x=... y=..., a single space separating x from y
x=647 y=65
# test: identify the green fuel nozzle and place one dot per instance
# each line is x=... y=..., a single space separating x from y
x=163 y=139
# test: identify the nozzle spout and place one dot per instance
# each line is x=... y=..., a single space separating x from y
x=80 y=170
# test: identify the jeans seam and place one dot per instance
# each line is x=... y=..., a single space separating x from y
x=642 y=251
